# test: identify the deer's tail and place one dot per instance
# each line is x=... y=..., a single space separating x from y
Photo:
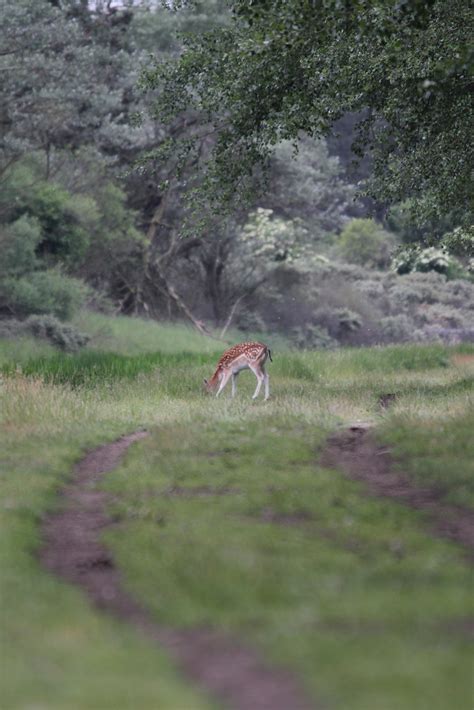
x=270 y=354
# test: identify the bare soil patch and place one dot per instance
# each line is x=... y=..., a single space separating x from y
x=462 y=359
x=299 y=517
x=355 y=452
x=72 y=549
x=199 y=491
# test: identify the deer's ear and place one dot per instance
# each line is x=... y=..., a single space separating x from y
x=205 y=381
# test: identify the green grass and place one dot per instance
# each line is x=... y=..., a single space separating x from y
x=438 y=452
x=60 y=653
x=345 y=598
x=358 y=600
x=135 y=336
x=97 y=368
x=14 y=352
x=354 y=361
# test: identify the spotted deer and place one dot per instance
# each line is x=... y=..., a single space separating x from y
x=244 y=356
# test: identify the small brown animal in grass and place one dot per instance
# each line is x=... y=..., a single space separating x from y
x=244 y=356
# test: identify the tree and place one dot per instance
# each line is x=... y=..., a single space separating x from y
x=284 y=67
x=51 y=94
x=365 y=242
x=233 y=263
x=67 y=101
x=304 y=182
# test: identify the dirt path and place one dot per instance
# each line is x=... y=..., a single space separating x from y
x=221 y=665
x=355 y=452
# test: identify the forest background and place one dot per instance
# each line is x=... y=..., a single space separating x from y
x=101 y=195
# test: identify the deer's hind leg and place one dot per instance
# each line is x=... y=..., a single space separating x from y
x=266 y=379
x=260 y=375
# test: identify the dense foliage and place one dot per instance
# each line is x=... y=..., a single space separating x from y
x=101 y=199
x=283 y=67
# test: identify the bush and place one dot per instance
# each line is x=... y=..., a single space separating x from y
x=312 y=337
x=427 y=260
x=348 y=321
x=444 y=316
x=64 y=236
x=250 y=322
x=65 y=337
x=365 y=242
x=371 y=288
x=396 y=329
x=416 y=288
x=432 y=259
x=43 y=292
x=11 y=328
x=19 y=241
x=338 y=322
x=460 y=242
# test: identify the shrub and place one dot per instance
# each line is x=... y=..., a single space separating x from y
x=43 y=292
x=338 y=322
x=11 y=328
x=371 y=288
x=250 y=322
x=18 y=243
x=426 y=260
x=312 y=337
x=63 y=336
x=448 y=336
x=432 y=259
x=404 y=261
x=365 y=242
x=348 y=321
x=396 y=329
x=64 y=236
x=443 y=315
x=416 y=288
x=460 y=242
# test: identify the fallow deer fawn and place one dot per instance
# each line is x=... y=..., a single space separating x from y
x=244 y=356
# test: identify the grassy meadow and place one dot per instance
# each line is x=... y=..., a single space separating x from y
x=225 y=517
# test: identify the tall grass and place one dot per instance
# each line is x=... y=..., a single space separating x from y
x=91 y=367
x=95 y=368
x=19 y=350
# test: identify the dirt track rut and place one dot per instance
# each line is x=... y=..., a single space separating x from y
x=223 y=666
x=355 y=452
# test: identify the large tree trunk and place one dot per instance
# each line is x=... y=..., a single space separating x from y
x=153 y=275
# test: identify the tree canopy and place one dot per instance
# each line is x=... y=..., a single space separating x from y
x=281 y=68
x=92 y=201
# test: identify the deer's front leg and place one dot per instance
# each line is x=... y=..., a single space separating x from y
x=234 y=383
x=223 y=382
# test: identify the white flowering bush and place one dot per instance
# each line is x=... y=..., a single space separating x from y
x=460 y=242
x=433 y=259
x=266 y=238
x=424 y=260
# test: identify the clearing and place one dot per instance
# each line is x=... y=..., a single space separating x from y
x=231 y=528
